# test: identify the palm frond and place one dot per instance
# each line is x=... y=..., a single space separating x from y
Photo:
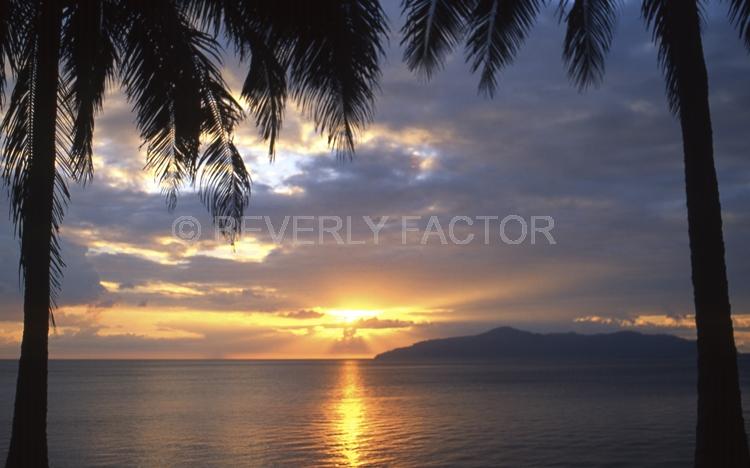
x=431 y=31
x=160 y=78
x=224 y=180
x=590 y=29
x=16 y=24
x=335 y=66
x=265 y=88
x=231 y=18
x=170 y=72
x=670 y=23
x=66 y=160
x=739 y=13
x=496 y=30
x=5 y=44
x=19 y=127
x=325 y=54
x=252 y=28
x=88 y=59
x=210 y=14
x=263 y=32
x=225 y=185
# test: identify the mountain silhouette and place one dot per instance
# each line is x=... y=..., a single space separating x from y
x=507 y=342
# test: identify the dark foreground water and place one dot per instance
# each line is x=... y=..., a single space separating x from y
x=327 y=413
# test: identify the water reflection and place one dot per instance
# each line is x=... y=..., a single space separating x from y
x=350 y=413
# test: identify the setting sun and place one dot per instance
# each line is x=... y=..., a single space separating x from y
x=352 y=315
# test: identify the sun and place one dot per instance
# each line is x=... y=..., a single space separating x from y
x=351 y=315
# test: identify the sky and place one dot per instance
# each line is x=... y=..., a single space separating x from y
x=605 y=165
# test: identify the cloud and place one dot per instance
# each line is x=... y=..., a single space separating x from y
x=642 y=321
x=375 y=323
x=656 y=321
x=349 y=343
x=302 y=314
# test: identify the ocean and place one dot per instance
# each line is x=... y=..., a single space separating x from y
x=367 y=413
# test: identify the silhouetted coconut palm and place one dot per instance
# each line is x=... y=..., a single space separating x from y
x=494 y=30
x=63 y=54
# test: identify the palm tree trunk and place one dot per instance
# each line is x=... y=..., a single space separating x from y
x=28 y=445
x=720 y=435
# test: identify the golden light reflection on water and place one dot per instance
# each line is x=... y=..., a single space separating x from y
x=351 y=413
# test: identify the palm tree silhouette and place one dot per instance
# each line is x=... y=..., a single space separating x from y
x=495 y=29
x=62 y=55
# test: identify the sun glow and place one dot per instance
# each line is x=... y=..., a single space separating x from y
x=352 y=315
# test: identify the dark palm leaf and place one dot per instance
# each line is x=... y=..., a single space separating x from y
x=335 y=65
x=18 y=145
x=223 y=178
x=211 y=14
x=668 y=21
x=232 y=18
x=160 y=75
x=739 y=12
x=325 y=54
x=497 y=28
x=5 y=44
x=170 y=72
x=18 y=127
x=16 y=24
x=88 y=58
x=225 y=184
x=432 y=30
x=591 y=25
x=265 y=88
x=252 y=28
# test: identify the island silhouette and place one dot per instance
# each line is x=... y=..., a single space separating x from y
x=508 y=342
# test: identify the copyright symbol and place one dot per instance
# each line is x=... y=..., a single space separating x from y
x=186 y=228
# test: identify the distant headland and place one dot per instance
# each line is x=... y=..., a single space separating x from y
x=507 y=342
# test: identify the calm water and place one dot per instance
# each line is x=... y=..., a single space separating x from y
x=327 y=413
